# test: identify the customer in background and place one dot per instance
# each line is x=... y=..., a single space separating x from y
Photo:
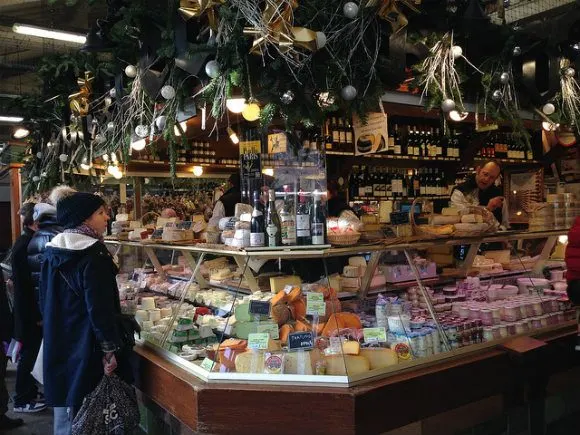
x=27 y=319
x=6 y=423
x=572 y=257
x=80 y=305
x=225 y=206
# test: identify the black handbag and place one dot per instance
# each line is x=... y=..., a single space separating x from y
x=128 y=327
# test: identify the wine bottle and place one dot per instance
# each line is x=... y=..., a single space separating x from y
x=303 y=236
x=288 y=219
x=411 y=142
x=273 y=228
x=318 y=222
x=257 y=226
x=335 y=135
x=397 y=149
x=349 y=136
x=327 y=136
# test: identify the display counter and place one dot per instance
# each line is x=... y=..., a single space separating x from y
x=431 y=337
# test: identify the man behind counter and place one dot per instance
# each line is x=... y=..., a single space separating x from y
x=480 y=189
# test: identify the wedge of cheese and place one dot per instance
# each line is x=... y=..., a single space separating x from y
x=343 y=365
x=380 y=358
x=277 y=283
x=301 y=363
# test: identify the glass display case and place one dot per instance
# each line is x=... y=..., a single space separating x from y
x=338 y=316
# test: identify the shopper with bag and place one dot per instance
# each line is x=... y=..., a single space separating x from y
x=84 y=337
x=27 y=319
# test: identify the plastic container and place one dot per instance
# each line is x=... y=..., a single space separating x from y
x=529 y=285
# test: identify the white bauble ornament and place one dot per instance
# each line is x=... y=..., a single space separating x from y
x=112 y=92
x=456 y=51
x=350 y=10
x=36 y=178
x=160 y=122
x=496 y=96
x=348 y=93
x=517 y=51
x=43 y=175
x=548 y=108
x=569 y=72
x=287 y=97
x=99 y=138
x=108 y=101
x=39 y=155
x=142 y=130
x=110 y=126
x=212 y=69
x=63 y=157
x=131 y=71
x=504 y=78
x=320 y=40
x=168 y=92
x=448 y=105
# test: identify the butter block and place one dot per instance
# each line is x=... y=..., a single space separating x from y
x=277 y=283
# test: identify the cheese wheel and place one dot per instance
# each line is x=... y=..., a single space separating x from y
x=280 y=313
x=301 y=363
x=444 y=220
x=351 y=271
x=343 y=365
x=280 y=297
x=285 y=330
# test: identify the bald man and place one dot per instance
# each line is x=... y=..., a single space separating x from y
x=168 y=213
x=480 y=190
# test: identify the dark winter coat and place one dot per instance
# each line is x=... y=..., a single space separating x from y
x=573 y=252
x=47 y=229
x=80 y=304
x=26 y=311
x=229 y=199
x=5 y=313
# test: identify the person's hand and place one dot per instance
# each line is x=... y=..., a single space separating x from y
x=109 y=363
x=495 y=203
x=16 y=352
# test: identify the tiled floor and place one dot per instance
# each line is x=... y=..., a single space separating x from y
x=35 y=424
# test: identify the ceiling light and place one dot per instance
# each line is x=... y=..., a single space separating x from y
x=85 y=164
x=268 y=171
x=233 y=136
x=236 y=105
x=251 y=112
x=457 y=116
x=197 y=171
x=20 y=133
x=138 y=145
x=117 y=174
x=40 y=32
x=563 y=239
x=13 y=119
x=182 y=125
x=549 y=126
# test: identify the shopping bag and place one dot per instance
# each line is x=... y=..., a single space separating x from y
x=37 y=372
x=111 y=409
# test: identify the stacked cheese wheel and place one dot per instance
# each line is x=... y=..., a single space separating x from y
x=470 y=221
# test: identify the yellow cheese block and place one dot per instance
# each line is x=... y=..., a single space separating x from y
x=351 y=347
x=301 y=363
x=380 y=358
x=277 y=283
x=351 y=271
x=250 y=362
x=335 y=282
x=343 y=365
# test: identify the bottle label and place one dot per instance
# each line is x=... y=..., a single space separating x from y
x=317 y=233
x=423 y=190
x=303 y=222
x=369 y=190
x=288 y=231
x=416 y=185
x=391 y=142
x=417 y=151
x=272 y=231
x=377 y=190
x=257 y=239
x=349 y=137
x=398 y=149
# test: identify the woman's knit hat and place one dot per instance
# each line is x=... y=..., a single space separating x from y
x=77 y=207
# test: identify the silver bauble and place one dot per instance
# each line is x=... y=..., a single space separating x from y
x=110 y=126
x=496 y=96
x=548 y=109
x=456 y=51
x=39 y=155
x=350 y=10
x=131 y=71
x=320 y=40
x=212 y=69
x=504 y=78
x=168 y=92
x=99 y=138
x=287 y=97
x=448 y=105
x=36 y=178
x=348 y=93
x=517 y=50
x=142 y=131
x=569 y=72
x=160 y=122
x=112 y=92
x=63 y=157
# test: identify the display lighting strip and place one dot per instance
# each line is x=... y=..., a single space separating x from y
x=40 y=32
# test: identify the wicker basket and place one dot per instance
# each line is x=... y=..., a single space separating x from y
x=343 y=239
x=419 y=231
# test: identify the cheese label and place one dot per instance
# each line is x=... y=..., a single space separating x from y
x=315 y=304
x=300 y=341
x=375 y=335
x=207 y=364
x=269 y=328
x=258 y=340
x=288 y=288
x=259 y=308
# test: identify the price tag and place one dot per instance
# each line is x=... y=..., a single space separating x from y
x=375 y=335
x=315 y=304
x=270 y=329
x=259 y=308
x=258 y=340
x=207 y=364
x=288 y=288
x=300 y=341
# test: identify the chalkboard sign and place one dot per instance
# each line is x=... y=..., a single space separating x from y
x=300 y=340
x=185 y=225
x=259 y=307
x=251 y=168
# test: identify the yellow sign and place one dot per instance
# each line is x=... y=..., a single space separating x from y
x=277 y=143
x=250 y=147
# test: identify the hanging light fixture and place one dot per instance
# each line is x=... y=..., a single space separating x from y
x=181 y=129
x=41 y=32
x=252 y=111
x=197 y=171
x=20 y=132
x=457 y=116
x=233 y=136
x=236 y=104
x=85 y=164
x=117 y=174
x=138 y=144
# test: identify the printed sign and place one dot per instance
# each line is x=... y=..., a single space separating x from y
x=300 y=340
x=250 y=165
x=207 y=364
x=259 y=307
x=371 y=137
x=315 y=305
x=185 y=225
x=375 y=335
x=269 y=328
x=258 y=340
x=277 y=143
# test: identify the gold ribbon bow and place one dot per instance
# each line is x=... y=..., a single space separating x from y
x=388 y=11
x=196 y=8
x=277 y=18
x=79 y=102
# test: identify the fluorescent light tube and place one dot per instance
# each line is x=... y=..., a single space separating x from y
x=13 y=119
x=40 y=32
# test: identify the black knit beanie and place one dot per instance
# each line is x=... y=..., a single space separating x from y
x=73 y=210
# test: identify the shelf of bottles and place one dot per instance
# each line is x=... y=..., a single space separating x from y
x=199 y=153
x=503 y=147
x=377 y=183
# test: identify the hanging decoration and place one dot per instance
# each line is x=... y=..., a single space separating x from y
x=570 y=95
x=196 y=8
x=79 y=101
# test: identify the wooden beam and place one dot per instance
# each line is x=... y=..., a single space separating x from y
x=15 y=199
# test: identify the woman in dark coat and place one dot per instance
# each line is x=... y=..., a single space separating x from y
x=81 y=308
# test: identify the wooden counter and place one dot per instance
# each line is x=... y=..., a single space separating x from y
x=374 y=407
